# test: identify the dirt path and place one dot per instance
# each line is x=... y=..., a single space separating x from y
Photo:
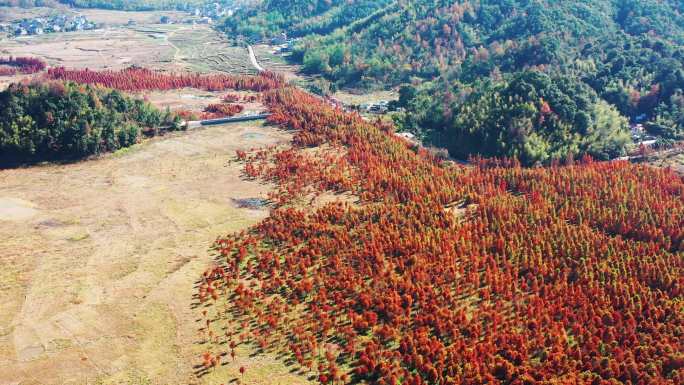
x=99 y=260
x=167 y=39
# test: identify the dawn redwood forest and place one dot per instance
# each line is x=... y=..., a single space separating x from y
x=20 y=65
x=532 y=253
x=443 y=274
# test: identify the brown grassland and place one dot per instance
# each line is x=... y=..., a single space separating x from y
x=101 y=258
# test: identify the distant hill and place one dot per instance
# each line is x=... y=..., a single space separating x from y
x=135 y=5
x=629 y=53
x=121 y=5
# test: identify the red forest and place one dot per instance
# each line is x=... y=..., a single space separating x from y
x=139 y=79
x=440 y=273
x=20 y=65
x=488 y=273
x=213 y=111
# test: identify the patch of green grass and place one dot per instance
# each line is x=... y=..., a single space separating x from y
x=126 y=150
x=79 y=237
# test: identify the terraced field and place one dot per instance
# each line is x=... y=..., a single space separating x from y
x=165 y=47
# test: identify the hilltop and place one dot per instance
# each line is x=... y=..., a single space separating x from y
x=625 y=53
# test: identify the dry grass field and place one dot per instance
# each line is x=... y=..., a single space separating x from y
x=673 y=159
x=174 y=47
x=114 y=18
x=194 y=100
x=113 y=48
x=357 y=98
x=177 y=47
x=8 y=14
x=7 y=80
x=100 y=259
x=272 y=62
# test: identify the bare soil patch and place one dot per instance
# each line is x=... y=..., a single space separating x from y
x=267 y=58
x=673 y=159
x=194 y=100
x=13 y=209
x=356 y=98
x=100 y=259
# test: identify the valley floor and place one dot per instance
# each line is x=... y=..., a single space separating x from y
x=100 y=260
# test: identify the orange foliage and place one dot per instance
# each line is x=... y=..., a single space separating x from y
x=568 y=274
x=140 y=79
x=20 y=65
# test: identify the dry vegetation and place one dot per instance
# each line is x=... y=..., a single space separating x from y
x=164 y=47
x=673 y=159
x=189 y=99
x=99 y=273
x=101 y=258
x=272 y=62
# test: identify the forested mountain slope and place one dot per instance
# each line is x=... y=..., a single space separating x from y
x=299 y=17
x=626 y=55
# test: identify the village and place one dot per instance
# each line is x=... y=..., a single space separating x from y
x=41 y=25
x=67 y=22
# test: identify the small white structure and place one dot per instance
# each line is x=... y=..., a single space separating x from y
x=407 y=135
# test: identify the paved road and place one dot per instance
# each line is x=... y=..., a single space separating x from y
x=253 y=59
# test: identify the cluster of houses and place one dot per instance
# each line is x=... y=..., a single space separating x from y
x=282 y=44
x=213 y=11
x=206 y=14
x=41 y=25
x=380 y=107
x=640 y=136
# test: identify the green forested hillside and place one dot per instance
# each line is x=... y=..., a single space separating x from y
x=627 y=53
x=50 y=121
x=298 y=17
x=530 y=115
